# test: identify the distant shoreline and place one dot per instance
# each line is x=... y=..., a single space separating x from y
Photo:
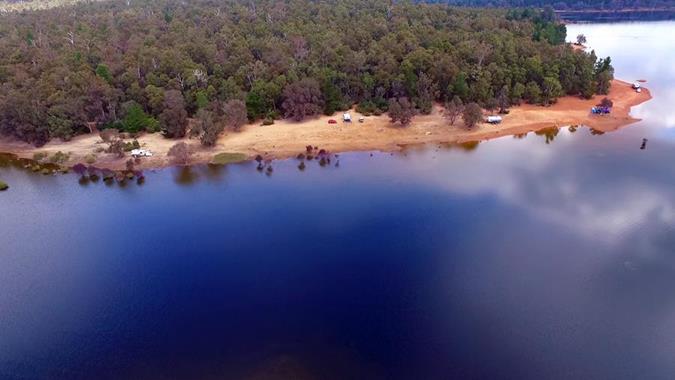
x=615 y=15
x=286 y=138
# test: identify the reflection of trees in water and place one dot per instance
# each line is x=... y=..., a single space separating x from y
x=596 y=132
x=185 y=175
x=215 y=172
x=469 y=146
x=189 y=175
x=7 y=160
x=520 y=136
x=549 y=133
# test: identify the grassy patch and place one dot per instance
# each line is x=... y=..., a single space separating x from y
x=3 y=186
x=228 y=158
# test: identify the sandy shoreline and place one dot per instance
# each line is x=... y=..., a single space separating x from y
x=286 y=138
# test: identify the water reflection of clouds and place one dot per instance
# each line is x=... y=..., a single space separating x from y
x=558 y=183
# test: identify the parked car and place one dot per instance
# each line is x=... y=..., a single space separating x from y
x=362 y=119
x=332 y=121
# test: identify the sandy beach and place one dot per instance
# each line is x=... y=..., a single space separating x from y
x=287 y=138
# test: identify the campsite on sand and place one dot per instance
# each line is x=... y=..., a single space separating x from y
x=287 y=138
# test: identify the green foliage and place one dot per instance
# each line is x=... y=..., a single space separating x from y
x=59 y=157
x=551 y=90
x=262 y=99
x=104 y=72
x=459 y=87
x=228 y=158
x=3 y=186
x=604 y=73
x=517 y=93
x=137 y=120
x=532 y=93
x=201 y=100
x=131 y=145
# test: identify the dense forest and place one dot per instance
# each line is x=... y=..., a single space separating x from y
x=564 y=5
x=152 y=65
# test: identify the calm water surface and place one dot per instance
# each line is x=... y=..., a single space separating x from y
x=540 y=257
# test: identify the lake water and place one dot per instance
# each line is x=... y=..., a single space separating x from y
x=539 y=257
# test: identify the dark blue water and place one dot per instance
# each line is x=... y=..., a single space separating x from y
x=519 y=259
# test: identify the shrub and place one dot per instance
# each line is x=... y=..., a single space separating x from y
x=39 y=156
x=129 y=146
x=365 y=107
x=3 y=186
x=117 y=147
x=181 y=153
x=472 y=115
x=268 y=122
x=59 y=157
x=90 y=158
x=606 y=102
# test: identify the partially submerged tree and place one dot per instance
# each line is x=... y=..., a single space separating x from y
x=401 y=110
x=472 y=115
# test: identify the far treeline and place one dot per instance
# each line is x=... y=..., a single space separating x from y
x=565 y=5
x=201 y=66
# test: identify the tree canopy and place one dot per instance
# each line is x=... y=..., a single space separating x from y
x=153 y=64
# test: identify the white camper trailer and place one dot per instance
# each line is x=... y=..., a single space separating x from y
x=347 y=118
x=494 y=119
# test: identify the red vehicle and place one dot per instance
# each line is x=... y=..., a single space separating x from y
x=332 y=121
